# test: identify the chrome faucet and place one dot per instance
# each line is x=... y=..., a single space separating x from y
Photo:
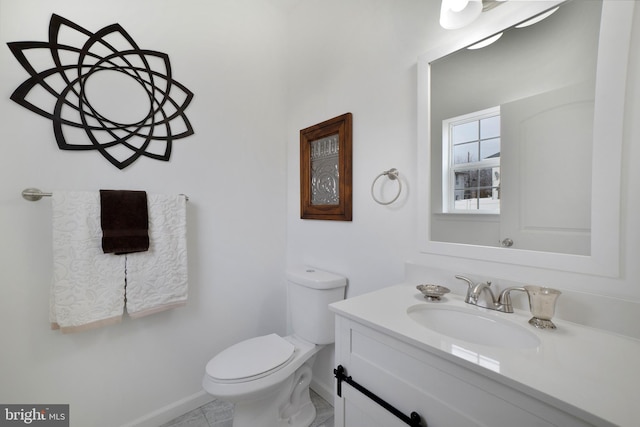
x=502 y=303
x=504 y=300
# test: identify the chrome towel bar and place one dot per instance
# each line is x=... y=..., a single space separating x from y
x=35 y=194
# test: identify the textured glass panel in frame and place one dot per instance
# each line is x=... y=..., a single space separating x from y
x=324 y=171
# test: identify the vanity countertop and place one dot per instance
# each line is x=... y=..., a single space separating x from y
x=581 y=370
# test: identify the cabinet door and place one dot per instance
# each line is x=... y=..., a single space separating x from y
x=443 y=393
x=360 y=411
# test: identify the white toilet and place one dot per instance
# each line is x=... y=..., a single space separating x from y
x=267 y=378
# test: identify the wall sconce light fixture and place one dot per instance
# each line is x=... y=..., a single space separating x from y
x=456 y=14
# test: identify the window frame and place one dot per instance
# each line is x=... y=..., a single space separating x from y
x=449 y=169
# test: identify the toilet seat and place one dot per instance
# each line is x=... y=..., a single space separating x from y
x=250 y=359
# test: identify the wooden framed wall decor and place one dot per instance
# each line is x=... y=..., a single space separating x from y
x=325 y=170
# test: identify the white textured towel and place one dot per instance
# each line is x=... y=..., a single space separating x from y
x=87 y=288
x=157 y=278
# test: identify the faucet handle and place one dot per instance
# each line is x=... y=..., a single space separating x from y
x=469 y=281
x=468 y=298
x=504 y=300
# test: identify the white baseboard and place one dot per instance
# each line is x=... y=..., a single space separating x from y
x=324 y=391
x=173 y=410
x=189 y=403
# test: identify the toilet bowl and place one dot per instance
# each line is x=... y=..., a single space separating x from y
x=263 y=392
x=268 y=377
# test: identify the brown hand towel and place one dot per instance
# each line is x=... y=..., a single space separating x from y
x=125 y=221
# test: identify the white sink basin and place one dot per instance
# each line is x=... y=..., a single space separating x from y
x=473 y=326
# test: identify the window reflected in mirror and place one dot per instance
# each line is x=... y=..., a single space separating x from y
x=471 y=155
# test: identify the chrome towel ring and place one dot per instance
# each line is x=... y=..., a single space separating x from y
x=392 y=174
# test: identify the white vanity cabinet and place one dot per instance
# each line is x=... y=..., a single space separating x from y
x=443 y=393
x=573 y=376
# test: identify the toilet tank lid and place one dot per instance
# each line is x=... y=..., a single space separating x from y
x=312 y=277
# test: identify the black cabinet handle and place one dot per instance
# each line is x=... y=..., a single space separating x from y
x=414 y=419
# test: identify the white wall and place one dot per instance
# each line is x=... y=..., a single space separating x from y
x=360 y=56
x=230 y=54
x=357 y=56
x=259 y=76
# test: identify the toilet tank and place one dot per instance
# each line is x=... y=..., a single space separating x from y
x=310 y=291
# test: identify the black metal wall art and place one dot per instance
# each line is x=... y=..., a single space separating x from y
x=80 y=125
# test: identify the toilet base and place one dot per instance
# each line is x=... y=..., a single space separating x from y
x=286 y=406
x=304 y=418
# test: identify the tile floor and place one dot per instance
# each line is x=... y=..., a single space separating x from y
x=220 y=414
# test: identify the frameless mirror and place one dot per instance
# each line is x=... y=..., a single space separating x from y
x=520 y=141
